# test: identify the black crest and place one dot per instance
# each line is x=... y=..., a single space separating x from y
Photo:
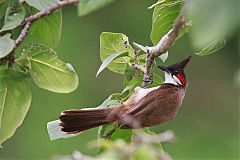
x=180 y=65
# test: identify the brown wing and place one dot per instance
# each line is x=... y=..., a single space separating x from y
x=159 y=101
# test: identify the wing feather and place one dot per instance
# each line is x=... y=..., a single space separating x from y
x=156 y=100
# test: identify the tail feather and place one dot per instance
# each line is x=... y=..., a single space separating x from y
x=74 y=121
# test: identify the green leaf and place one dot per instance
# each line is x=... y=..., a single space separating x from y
x=118 y=133
x=224 y=19
x=164 y=56
x=14 y=16
x=3 y=8
x=129 y=73
x=106 y=103
x=212 y=47
x=144 y=152
x=88 y=6
x=49 y=72
x=164 y=15
x=132 y=77
x=125 y=134
x=108 y=60
x=15 y=100
x=6 y=45
x=139 y=46
x=127 y=89
x=42 y=4
x=157 y=81
x=112 y=43
x=3 y=90
x=48 y=29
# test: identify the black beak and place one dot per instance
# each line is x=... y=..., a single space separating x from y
x=163 y=68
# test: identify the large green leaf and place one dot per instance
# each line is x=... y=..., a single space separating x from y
x=15 y=100
x=164 y=15
x=3 y=8
x=48 y=29
x=6 y=45
x=211 y=18
x=49 y=72
x=112 y=43
x=87 y=6
x=212 y=47
x=14 y=16
x=42 y=4
x=3 y=91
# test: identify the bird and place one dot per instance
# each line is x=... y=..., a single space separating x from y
x=144 y=108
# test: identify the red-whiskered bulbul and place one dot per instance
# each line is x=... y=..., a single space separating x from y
x=145 y=107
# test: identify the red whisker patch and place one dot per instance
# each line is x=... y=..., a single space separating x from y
x=181 y=78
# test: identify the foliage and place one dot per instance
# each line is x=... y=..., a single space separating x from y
x=212 y=20
x=164 y=14
x=15 y=99
x=37 y=61
x=144 y=146
x=48 y=29
x=41 y=5
x=14 y=16
x=48 y=72
x=6 y=45
x=115 y=44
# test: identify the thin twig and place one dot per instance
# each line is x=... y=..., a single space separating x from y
x=163 y=45
x=28 y=21
x=23 y=34
x=139 y=67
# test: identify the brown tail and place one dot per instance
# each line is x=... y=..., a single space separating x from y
x=74 y=121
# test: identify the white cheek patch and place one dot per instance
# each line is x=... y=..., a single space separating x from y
x=170 y=79
x=177 y=80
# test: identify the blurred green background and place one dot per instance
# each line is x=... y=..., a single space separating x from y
x=206 y=125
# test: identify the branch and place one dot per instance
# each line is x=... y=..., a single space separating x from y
x=136 y=65
x=28 y=21
x=163 y=45
x=139 y=67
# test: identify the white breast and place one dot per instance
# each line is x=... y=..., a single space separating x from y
x=141 y=92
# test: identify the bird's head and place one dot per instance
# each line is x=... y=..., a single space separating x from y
x=174 y=74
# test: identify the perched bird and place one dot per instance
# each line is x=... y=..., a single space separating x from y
x=145 y=107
